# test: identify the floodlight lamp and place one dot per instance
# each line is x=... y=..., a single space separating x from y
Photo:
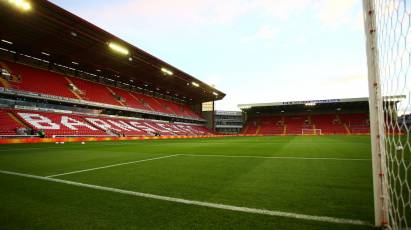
x=118 y=48
x=6 y=41
x=195 y=84
x=310 y=104
x=20 y=4
x=166 y=71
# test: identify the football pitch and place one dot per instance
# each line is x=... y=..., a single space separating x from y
x=300 y=182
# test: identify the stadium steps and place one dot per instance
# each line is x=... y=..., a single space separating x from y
x=4 y=83
x=285 y=130
x=16 y=119
x=347 y=129
x=9 y=124
x=246 y=129
x=145 y=106
x=113 y=93
x=167 y=108
x=74 y=93
x=258 y=129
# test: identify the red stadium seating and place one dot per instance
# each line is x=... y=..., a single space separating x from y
x=95 y=92
x=50 y=83
x=329 y=124
x=251 y=126
x=271 y=126
x=129 y=99
x=37 y=80
x=9 y=123
x=57 y=124
x=293 y=125
x=357 y=123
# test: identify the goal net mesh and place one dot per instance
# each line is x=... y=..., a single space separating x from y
x=391 y=50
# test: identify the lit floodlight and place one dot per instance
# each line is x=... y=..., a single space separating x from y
x=8 y=42
x=21 y=4
x=195 y=84
x=118 y=48
x=215 y=94
x=166 y=71
x=44 y=53
x=310 y=104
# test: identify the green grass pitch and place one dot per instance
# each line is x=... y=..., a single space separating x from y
x=263 y=173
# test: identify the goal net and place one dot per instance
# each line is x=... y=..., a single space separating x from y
x=311 y=131
x=387 y=26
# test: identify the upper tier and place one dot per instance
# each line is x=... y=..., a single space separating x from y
x=45 y=82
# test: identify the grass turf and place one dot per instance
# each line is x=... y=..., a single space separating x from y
x=333 y=188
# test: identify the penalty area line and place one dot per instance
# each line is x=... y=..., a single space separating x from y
x=327 y=219
x=113 y=165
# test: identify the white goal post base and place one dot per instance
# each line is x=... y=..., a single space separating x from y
x=311 y=132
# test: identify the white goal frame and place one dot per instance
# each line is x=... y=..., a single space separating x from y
x=311 y=132
x=383 y=21
x=376 y=116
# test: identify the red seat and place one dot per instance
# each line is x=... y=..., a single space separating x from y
x=51 y=83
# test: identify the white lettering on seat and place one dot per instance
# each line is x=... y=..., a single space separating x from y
x=123 y=125
x=71 y=123
x=101 y=124
x=143 y=127
x=166 y=127
x=39 y=121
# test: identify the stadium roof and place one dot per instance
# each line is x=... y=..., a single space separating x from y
x=394 y=98
x=49 y=32
x=305 y=102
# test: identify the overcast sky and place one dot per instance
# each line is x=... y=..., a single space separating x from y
x=253 y=50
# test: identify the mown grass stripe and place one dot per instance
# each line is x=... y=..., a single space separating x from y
x=328 y=219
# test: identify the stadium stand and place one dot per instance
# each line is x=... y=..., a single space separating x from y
x=296 y=123
x=356 y=123
x=61 y=124
x=9 y=123
x=91 y=91
x=329 y=124
x=36 y=80
x=293 y=125
x=55 y=84
x=271 y=125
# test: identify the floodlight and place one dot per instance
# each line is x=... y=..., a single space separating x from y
x=195 y=84
x=215 y=94
x=44 y=53
x=310 y=104
x=8 y=42
x=118 y=48
x=166 y=71
x=21 y=4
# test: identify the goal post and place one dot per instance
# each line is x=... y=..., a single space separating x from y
x=311 y=132
x=387 y=28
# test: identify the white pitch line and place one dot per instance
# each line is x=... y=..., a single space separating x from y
x=113 y=165
x=268 y=157
x=327 y=219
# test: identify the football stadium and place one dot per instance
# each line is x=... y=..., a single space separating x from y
x=96 y=133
